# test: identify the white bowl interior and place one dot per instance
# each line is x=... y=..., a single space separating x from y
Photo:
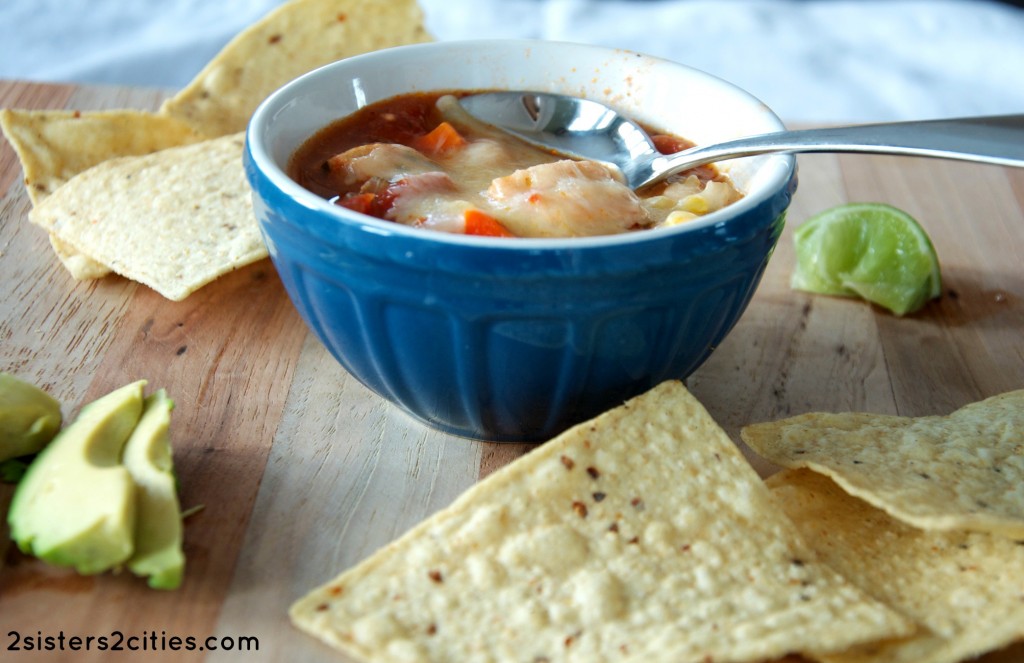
x=662 y=94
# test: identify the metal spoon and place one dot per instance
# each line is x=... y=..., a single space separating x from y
x=590 y=130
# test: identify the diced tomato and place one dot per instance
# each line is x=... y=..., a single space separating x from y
x=669 y=144
x=479 y=223
x=374 y=203
x=357 y=202
x=385 y=198
x=442 y=140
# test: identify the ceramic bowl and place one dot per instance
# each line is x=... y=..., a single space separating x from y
x=516 y=340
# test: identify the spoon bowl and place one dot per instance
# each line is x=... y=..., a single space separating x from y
x=587 y=129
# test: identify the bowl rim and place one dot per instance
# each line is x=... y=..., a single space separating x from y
x=257 y=153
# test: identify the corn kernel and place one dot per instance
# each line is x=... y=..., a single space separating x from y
x=695 y=203
x=676 y=217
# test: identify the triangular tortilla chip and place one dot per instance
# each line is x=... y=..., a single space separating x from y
x=641 y=535
x=961 y=471
x=55 y=145
x=966 y=589
x=173 y=220
x=296 y=38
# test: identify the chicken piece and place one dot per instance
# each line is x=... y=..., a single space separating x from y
x=429 y=200
x=481 y=155
x=385 y=161
x=406 y=200
x=566 y=199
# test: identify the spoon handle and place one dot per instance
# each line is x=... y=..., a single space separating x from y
x=995 y=139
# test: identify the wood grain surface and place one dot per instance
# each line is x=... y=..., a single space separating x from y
x=301 y=472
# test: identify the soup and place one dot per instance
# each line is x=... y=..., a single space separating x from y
x=421 y=160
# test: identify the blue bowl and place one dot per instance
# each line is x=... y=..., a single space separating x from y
x=516 y=340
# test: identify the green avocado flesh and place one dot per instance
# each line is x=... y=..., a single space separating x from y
x=76 y=504
x=29 y=417
x=158 y=551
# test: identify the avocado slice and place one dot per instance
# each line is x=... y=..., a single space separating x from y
x=76 y=504
x=29 y=417
x=158 y=533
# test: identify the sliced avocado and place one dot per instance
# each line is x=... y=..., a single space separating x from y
x=76 y=504
x=158 y=531
x=29 y=417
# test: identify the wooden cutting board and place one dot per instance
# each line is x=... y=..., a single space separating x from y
x=301 y=472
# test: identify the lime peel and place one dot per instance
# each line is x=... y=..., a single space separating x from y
x=869 y=250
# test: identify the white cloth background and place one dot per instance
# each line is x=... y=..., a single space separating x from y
x=810 y=60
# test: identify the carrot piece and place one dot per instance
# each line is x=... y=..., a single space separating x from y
x=442 y=140
x=479 y=223
x=357 y=202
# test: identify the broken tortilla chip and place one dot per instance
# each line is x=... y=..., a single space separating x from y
x=173 y=220
x=965 y=589
x=961 y=471
x=642 y=534
x=55 y=145
x=297 y=37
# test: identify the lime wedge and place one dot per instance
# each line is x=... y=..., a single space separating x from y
x=868 y=250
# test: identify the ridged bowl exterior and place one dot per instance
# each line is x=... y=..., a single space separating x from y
x=512 y=340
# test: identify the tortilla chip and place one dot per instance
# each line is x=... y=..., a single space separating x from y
x=173 y=220
x=292 y=40
x=966 y=589
x=55 y=145
x=642 y=534
x=961 y=471
x=80 y=266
